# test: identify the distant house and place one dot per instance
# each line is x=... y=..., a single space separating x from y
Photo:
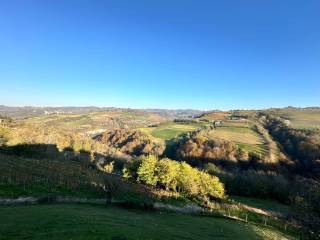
x=217 y=123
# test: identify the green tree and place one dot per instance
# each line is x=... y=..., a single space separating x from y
x=130 y=170
x=210 y=186
x=167 y=172
x=147 y=170
x=188 y=180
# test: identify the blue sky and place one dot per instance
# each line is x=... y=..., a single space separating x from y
x=160 y=54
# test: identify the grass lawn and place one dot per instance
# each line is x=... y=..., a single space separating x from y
x=170 y=130
x=71 y=221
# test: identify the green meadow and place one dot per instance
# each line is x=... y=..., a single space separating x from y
x=83 y=221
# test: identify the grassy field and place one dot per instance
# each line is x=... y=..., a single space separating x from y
x=239 y=132
x=70 y=221
x=242 y=134
x=304 y=118
x=216 y=115
x=170 y=130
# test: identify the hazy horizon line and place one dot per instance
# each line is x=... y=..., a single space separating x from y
x=154 y=108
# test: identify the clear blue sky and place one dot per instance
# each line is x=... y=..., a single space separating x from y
x=160 y=54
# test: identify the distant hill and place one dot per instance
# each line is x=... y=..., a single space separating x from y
x=176 y=114
x=29 y=111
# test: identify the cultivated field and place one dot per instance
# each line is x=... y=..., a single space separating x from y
x=241 y=133
x=97 y=121
x=169 y=130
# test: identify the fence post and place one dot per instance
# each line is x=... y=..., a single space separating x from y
x=265 y=221
x=285 y=227
x=246 y=217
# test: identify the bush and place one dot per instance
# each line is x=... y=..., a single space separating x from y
x=188 y=180
x=175 y=176
x=212 y=169
x=147 y=169
x=168 y=171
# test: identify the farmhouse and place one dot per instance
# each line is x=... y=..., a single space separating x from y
x=217 y=123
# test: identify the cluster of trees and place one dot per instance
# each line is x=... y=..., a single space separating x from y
x=31 y=134
x=302 y=145
x=132 y=142
x=191 y=120
x=49 y=142
x=4 y=120
x=174 y=176
x=302 y=194
x=257 y=184
x=196 y=148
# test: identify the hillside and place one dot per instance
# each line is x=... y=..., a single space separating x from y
x=29 y=111
x=96 y=122
x=97 y=222
x=301 y=118
x=220 y=162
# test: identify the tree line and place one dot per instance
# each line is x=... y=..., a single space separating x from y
x=302 y=145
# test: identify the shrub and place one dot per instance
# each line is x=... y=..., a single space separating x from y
x=210 y=186
x=212 y=169
x=147 y=169
x=130 y=169
x=109 y=167
x=175 y=176
x=188 y=180
x=168 y=171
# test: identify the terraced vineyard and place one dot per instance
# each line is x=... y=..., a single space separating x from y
x=39 y=177
x=243 y=135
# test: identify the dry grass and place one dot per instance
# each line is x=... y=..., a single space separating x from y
x=216 y=115
x=244 y=135
x=305 y=118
